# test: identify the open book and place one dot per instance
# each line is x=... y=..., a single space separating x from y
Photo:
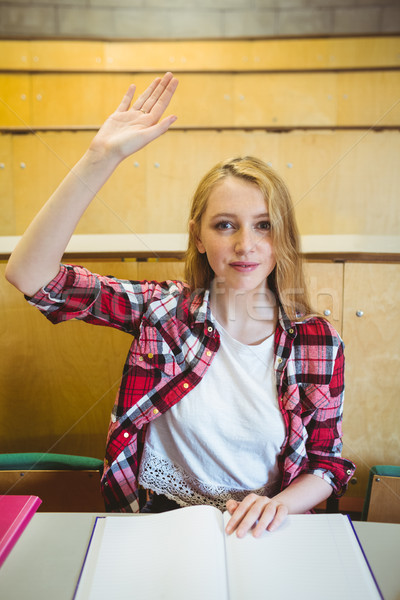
x=186 y=555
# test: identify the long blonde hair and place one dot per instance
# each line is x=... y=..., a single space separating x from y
x=287 y=279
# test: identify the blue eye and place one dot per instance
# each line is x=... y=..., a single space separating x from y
x=223 y=225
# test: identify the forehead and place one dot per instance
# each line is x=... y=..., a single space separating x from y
x=233 y=194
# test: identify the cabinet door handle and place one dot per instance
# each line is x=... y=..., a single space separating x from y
x=327 y=312
x=359 y=313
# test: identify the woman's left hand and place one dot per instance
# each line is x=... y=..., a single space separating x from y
x=257 y=513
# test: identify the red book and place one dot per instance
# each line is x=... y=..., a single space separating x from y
x=15 y=514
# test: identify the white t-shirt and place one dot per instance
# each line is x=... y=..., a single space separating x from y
x=222 y=439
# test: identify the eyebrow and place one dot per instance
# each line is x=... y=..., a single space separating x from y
x=233 y=215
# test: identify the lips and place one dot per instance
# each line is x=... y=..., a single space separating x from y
x=244 y=267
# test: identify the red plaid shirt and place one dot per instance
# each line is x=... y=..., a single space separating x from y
x=174 y=343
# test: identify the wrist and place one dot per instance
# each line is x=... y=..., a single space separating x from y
x=100 y=157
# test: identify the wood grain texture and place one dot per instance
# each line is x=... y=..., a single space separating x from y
x=384 y=504
x=200 y=55
x=342 y=182
x=371 y=413
x=208 y=100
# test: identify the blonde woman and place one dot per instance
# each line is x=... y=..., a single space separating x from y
x=232 y=390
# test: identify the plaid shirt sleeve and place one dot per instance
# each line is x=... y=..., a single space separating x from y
x=324 y=429
x=312 y=391
x=76 y=293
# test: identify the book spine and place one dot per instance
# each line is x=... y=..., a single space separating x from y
x=17 y=526
x=365 y=557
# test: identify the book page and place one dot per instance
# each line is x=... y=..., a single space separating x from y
x=178 y=554
x=309 y=557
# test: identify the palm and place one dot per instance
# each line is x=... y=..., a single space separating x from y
x=130 y=128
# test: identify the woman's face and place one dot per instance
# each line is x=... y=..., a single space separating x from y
x=235 y=233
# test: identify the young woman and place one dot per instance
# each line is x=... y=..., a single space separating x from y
x=232 y=390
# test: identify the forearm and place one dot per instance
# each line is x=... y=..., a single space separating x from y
x=304 y=493
x=35 y=260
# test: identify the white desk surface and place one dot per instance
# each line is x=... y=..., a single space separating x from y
x=46 y=561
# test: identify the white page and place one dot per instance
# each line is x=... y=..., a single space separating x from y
x=308 y=558
x=177 y=555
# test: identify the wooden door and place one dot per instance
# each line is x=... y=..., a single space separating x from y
x=371 y=332
x=325 y=285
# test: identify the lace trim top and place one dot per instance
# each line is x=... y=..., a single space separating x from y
x=222 y=439
x=162 y=476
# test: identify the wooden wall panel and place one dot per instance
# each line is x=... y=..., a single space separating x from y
x=160 y=271
x=74 y=55
x=60 y=491
x=15 y=55
x=15 y=101
x=359 y=99
x=325 y=284
x=356 y=99
x=6 y=186
x=343 y=182
x=200 y=55
x=285 y=100
x=371 y=414
x=384 y=504
x=77 y=100
x=39 y=164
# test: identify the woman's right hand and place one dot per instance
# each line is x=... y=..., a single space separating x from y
x=36 y=259
x=132 y=126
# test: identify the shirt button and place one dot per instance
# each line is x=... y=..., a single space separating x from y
x=126 y=434
x=291 y=330
x=279 y=360
x=150 y=355
x=208 y=353
x=140 y=359
x=185 y=385
x=349 y=471
x=210 y=329
x=155 y=411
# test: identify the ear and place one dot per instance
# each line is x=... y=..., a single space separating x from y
x=193 y=232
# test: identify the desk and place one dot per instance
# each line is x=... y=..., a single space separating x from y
x=46 y=561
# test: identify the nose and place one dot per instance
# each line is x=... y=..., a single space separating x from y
x=245 y=241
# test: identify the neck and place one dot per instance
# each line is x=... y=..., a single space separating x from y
x=249 y=316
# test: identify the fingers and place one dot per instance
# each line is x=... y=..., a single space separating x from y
x=271 y=518
x=157 y=96
x=244 y=516
x=127 y=99
x=159 y=128
x=255 y=512
x=142 y=99
x=231 y=506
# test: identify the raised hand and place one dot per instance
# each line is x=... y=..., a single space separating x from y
x=133 y=125
x=36 y=259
